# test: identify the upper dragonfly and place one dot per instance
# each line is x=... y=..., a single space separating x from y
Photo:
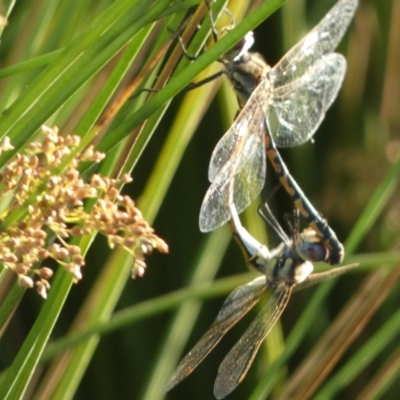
x=283 y=105
x=284 y=268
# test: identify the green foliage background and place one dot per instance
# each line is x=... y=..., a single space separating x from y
x=63 y=63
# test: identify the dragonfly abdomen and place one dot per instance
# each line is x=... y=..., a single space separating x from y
x=307 y=210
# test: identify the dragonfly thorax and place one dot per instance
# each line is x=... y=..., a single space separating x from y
x=286 y=267
x=246 y=73
x=245 y=69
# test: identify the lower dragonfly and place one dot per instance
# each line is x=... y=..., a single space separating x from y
x=282 y=106
x=284 y=268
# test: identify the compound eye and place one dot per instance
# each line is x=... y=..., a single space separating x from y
x=313 y=252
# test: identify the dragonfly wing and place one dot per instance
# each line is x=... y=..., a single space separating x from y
x=323 y=39
x=230 y=147
x=237 y=362
x=238 y=303
x=240 y=179
x=298 y=108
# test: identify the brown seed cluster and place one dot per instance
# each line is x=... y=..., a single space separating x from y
x=57 y=212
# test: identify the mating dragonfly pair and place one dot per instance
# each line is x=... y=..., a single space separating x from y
x=280 y=106
x=286 y=268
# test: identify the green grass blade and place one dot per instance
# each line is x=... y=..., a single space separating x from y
x=389 y=331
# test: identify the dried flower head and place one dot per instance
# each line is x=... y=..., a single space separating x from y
x=55 y=208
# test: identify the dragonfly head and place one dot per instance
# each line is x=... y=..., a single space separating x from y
x=310 y=247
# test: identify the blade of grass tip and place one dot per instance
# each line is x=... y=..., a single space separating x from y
x=387 y=332
x=181 y=80
x=347 y=326
x=65 y=373
x=149 y=308
x=209 y=259
x=384 y=378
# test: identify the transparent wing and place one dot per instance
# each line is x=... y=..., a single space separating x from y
x=323 y=39
x=230 y=147
x=238 y=178
x=235 y=365
x=297 y=109
x=238 y=303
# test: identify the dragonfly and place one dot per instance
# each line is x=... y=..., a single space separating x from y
x=281 y=106
x=285 y=268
